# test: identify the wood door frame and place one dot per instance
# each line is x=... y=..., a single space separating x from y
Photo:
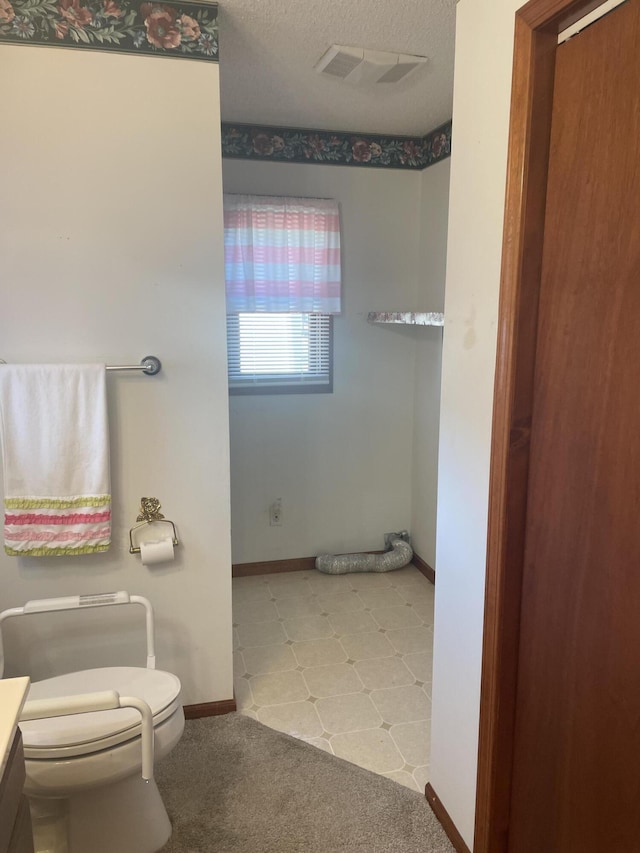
x=537 y=25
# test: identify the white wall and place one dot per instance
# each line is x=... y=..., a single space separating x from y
x=111 y=249
x=434 y=193
x=340 y=462
x=484 y=50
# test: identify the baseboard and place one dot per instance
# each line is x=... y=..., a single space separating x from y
x=271 y=567
x=444 y=820
x=423 y=567
x=209 y=709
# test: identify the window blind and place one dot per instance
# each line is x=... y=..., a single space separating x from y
x=279 y=351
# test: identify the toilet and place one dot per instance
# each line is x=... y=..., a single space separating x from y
x=84 y=770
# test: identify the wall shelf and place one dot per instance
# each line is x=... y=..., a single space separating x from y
x=407 y=318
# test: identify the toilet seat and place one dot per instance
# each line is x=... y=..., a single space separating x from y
x=83 y=734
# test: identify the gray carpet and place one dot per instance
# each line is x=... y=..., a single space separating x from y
x=233 y=785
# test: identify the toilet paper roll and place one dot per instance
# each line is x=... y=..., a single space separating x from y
x=159 y=551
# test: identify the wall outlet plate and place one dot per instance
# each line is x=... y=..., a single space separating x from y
x=275 y=513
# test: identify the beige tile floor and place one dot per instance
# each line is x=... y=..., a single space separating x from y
x=343 y=662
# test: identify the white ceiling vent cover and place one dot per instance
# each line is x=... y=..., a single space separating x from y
x=362 y=67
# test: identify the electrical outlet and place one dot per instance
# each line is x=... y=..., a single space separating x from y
x=275 y=513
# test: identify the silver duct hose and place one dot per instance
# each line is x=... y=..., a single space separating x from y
x=399 y=555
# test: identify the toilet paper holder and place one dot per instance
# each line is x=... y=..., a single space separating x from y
x=150 y=514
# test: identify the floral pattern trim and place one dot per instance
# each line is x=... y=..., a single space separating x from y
x=188 y=30
x=290 y=145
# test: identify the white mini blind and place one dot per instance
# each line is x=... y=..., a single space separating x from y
x=279 y=352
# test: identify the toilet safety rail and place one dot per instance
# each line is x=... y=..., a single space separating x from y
x=81 y=602
x=85 y=703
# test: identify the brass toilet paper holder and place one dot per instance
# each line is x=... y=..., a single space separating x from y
x=150 y=514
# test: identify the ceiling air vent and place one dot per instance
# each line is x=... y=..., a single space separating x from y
x=360 y=66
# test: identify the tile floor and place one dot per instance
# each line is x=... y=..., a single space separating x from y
x=343 y=662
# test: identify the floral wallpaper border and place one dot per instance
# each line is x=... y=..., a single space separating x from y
x=186 y=30
x=293 y=145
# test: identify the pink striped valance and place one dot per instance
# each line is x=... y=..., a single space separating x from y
x=282 y=254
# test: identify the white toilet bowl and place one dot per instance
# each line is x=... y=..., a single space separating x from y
x=83 y=770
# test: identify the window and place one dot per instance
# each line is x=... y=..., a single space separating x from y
x=285 y=352
x=283 y=283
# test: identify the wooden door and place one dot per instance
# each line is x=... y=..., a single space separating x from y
x=576 y=745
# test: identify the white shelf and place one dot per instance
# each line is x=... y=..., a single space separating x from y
x=407 y=318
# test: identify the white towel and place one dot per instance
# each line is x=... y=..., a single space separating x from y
x=55 y=451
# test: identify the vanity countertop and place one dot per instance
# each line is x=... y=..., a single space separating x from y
x=13 y=692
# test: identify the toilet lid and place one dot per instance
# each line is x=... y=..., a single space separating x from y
x=158 y=689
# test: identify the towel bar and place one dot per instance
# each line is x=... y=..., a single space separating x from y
x=150 y=365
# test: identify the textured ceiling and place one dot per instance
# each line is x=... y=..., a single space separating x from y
x=268 y=49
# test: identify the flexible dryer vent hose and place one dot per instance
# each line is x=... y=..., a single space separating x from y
x=400 y=555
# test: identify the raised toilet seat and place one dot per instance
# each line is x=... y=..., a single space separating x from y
x=84 y=782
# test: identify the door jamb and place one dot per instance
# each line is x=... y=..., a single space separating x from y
x=537 y=25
